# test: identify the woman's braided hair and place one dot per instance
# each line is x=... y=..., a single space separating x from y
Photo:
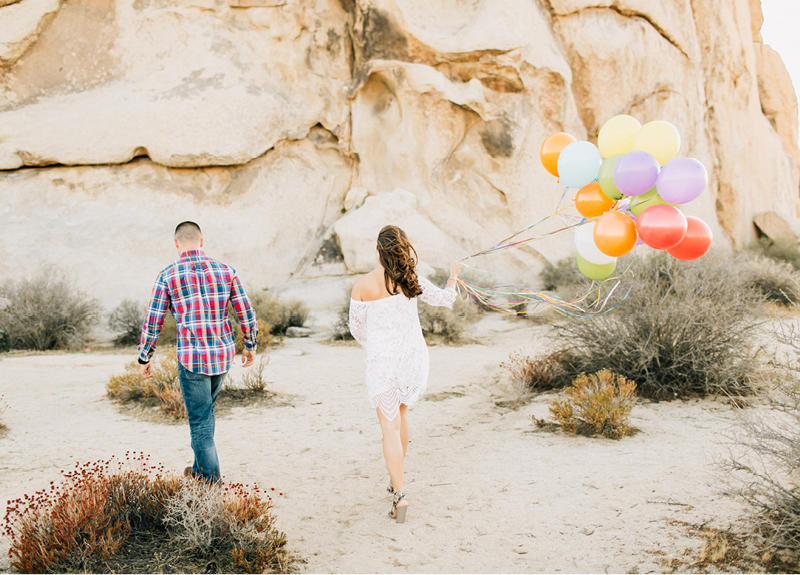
x=399 y=265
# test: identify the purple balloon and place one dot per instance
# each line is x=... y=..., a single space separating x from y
x=635 y=173
x=681 y=180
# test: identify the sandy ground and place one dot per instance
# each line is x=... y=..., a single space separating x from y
x=488 y=492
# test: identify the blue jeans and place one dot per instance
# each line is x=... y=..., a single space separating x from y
x=200 y=392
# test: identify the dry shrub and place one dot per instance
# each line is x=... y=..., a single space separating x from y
x=763 y=466
x=45 y=313
x=776 y=280
x=264 y=338
x=126 y=321
x=685 y=329
x=130 y=385
x=561 y=275
x=780 y=250
x=341 y=328
x=97 y=513
x=602 y=401
x=450 y=326
x=532 y=374
x=164 y=389
x=278 y=314
x=253 y=379
x=3 y=407
x=232 y=524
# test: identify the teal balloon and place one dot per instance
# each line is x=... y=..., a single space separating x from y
x=605 y=177
x=578 y=164
x=595 y=272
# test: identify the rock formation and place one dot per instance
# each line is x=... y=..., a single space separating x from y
x=292 y=129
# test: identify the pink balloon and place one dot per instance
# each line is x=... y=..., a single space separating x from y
x=681 y=180
x=662 y=226
x=635 y=173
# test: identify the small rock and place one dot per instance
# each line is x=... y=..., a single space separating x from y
x=775 y=226
x=298 y=332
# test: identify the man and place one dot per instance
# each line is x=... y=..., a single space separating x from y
x=197 y=290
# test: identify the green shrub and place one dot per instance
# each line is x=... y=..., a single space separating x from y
x=103 y=514
x=45 y=313
x=781 y=250
x=685 y=329
x=602 y=402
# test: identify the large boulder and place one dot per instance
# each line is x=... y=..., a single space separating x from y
x=188 y=87
x=281 y=126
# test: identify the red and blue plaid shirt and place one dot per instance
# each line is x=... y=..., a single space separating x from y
x=197 y=290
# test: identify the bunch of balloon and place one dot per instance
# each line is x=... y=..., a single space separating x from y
x=630 y=188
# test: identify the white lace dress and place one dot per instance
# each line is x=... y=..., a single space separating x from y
x=397 y=357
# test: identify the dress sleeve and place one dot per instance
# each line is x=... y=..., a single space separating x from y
x=433 y=295
x=358 y=321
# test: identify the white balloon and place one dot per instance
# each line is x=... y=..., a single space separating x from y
x=584 y=243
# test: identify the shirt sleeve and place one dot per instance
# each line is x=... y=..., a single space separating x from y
x=435 y=296
x=245 y=313
x=358 y=321
x=154 y=320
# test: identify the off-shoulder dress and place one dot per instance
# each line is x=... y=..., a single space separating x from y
x=397 y=357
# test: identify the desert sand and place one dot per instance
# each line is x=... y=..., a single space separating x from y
x=488 y=491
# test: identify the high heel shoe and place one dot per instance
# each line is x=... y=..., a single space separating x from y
x=398 y=513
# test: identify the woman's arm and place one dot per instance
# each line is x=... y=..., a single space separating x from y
x=357 y=321
x=433 y=295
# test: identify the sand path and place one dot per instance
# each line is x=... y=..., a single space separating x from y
x=488 y=493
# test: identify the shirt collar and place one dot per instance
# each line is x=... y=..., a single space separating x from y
x=193 y=254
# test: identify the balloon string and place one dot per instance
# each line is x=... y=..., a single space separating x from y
x=523 y=300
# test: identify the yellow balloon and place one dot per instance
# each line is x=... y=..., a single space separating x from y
x=616 y=135
x=659 y=139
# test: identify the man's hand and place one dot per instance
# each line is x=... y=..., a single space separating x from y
x=248 y=357
x=144 y=370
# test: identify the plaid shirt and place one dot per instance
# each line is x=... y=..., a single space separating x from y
x=197 y=290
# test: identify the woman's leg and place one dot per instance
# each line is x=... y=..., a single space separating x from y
x=404 y=427
x=393 y=451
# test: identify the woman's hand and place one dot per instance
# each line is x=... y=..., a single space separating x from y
x=455 y=269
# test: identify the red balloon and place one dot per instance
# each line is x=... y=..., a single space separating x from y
x=662 y=226
x=696 y=242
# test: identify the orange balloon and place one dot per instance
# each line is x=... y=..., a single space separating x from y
x=615 y=234
x=591 y=201
x=551 y=149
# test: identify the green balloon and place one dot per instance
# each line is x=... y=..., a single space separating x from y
x=595 y=272
x=646 y=200
x=606 y=177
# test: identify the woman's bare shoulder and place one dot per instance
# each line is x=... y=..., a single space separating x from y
x=368 y=286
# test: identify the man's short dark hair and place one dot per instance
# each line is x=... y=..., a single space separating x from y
x=188 y=231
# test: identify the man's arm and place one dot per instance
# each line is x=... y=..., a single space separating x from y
x=247 y=320
x=151 y=328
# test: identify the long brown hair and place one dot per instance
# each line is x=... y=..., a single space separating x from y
x=399 y=265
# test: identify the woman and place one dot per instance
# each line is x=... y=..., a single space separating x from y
x=384 y=319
